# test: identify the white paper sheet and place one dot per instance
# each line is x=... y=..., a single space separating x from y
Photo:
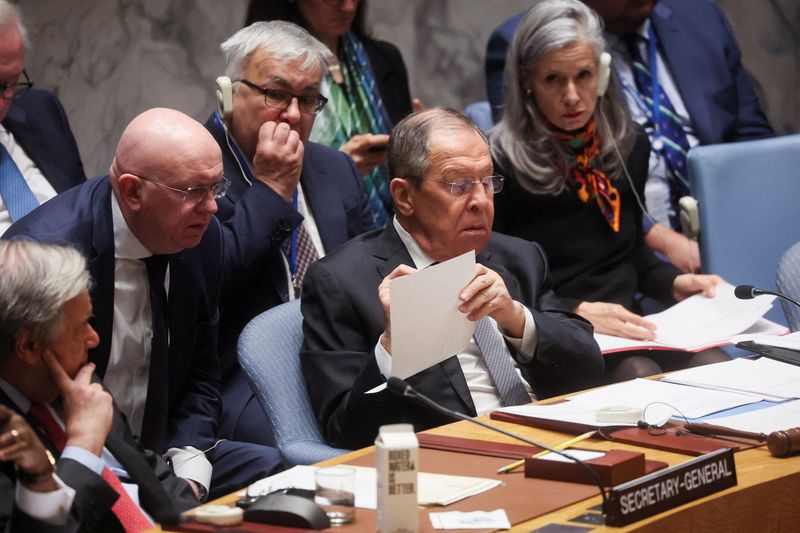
x=773 y=380
x=497 y=519
x=566 y=412
x=427 y=326
x=432 y=489
x=791 y=341
x=690 y=402
x=699 y=322
x=767 y=420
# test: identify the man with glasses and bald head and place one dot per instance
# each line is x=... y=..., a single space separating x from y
x=524 y=347
x=38 y=154
x=269 y=99
x=161 y=264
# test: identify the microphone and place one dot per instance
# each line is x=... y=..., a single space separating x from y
x=748 y=292
x=403 y=388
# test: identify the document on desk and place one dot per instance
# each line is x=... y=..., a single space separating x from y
x=691 y=402
x=791 y=341
x=699 y=322
x=427 y=326
x=433 y=489
x=776 y=418
x=573 y=412
x=773 y=380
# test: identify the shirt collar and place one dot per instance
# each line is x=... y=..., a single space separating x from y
x=126 y=245
x=420 y=258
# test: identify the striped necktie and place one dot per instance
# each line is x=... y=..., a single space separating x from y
x=17 y=196
x=498 y=361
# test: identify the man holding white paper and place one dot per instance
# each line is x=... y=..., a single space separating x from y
x=524 y=346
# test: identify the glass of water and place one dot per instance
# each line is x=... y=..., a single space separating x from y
x=335 y=492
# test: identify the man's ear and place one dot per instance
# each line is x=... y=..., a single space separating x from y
x=27 y=349
x=130 y=192
x=403 y=195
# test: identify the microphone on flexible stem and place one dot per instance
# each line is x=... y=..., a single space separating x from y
x=402 y=388
x=748 y=292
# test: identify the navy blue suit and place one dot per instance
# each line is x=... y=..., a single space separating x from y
x=335 y=195
x=700 y=48
x=82 y=217
x=40 y=127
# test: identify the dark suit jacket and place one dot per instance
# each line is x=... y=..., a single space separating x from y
x=40 y=126
x=704 y=58
x=343 y=319
x=82 y=217
x=161 y=494
x=391 y=77
x=335 y=195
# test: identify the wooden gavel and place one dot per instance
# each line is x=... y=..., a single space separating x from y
x=779 y=443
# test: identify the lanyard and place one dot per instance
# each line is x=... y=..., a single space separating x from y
x=655 y=86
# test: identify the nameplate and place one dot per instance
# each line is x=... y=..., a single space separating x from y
x=670 y=488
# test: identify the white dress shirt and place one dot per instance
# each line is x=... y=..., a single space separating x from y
x=479 y=382
x=310 y=225
x=36 y=181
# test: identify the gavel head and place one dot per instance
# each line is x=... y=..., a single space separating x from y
x=784 y=443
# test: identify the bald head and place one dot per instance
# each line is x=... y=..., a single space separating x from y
x=160 y=151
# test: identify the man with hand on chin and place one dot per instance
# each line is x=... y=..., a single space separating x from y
x=55 y=418
x=523 y=348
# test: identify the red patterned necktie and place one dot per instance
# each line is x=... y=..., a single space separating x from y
x=125 y=509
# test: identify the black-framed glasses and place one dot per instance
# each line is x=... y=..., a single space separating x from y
x=195 y=195
x=310 y=104
x=17 y=89
x=460 y=187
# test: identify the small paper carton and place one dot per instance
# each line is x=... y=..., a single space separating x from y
x=397 y=456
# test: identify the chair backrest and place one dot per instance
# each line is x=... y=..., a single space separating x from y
x=480 y=113
x=748 y=196
x=787 y=279
x=269 y=348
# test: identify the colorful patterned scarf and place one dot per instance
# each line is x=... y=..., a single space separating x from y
x=580 y=148
x=355 y=107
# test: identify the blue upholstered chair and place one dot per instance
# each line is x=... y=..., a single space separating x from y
x=269 y=350
x=480 y=113
x=787 y=280
x=748 y=196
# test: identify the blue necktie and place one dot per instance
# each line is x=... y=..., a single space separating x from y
x=17 y=196
x=498 y=360
x=671 y=139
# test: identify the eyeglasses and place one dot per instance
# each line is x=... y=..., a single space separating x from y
x=460 y=187
x=338 y=3
x=17 y=89
x=310 y=104
x=195 y=195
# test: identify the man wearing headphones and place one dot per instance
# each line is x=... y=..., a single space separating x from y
x=267 y=104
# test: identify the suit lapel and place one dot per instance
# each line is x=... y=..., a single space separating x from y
x=323 y=201
x=688 y=76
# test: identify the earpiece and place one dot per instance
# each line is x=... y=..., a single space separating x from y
x=603 y=73
x=690 y=219
x=225 y=99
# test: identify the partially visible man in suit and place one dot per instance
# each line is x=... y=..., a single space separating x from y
x=159 y=259
x=702 y=84
x=524 y=346
x=317 y=201
x=50 y=409
x=38 y=154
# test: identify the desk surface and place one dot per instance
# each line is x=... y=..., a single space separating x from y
x=765 y=498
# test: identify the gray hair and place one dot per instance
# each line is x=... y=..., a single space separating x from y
x=409 y=143
x=10 y=14
x=282 y=41
x=521 y=141
x=36 y=280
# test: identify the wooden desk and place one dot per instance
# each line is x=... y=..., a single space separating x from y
x=765 y=499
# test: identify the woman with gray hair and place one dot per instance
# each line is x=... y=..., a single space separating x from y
x=575 y=167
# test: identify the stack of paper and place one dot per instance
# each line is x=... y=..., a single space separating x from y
x=766 y=378
x=774 y=418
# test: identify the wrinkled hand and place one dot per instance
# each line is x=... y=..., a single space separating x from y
x=487 y=295
x=358 y=148
x=681 y=251
x=383 y=296
x=278 y=160
x=614 y=319
x=88 y=410
x=687 y=285
x=19 y=443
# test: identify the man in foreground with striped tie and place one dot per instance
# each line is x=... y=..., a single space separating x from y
x=68 y=458
x=523 y=348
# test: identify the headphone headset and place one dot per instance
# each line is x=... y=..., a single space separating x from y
x=603 y=73
x=225 y=99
